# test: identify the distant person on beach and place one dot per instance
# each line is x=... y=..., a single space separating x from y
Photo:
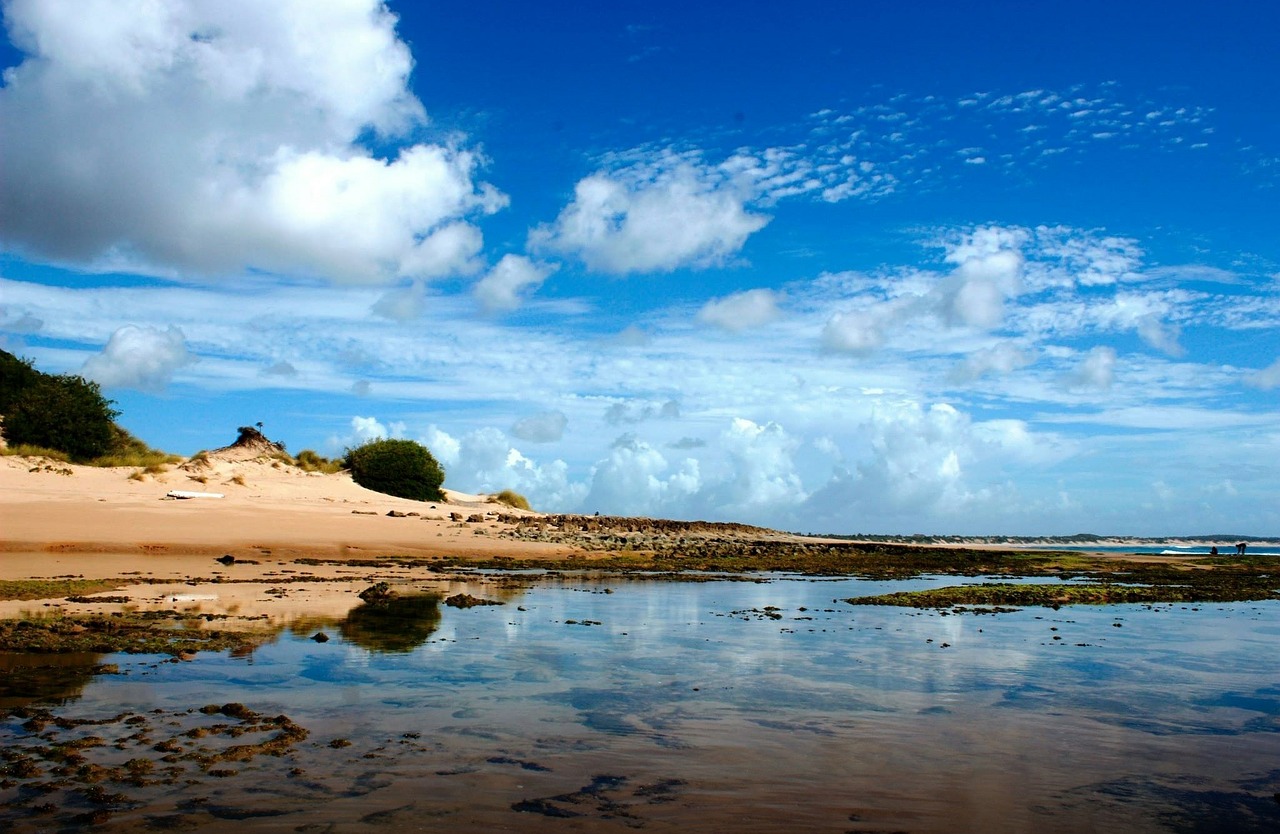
x=1213 y=551
x=1240 y=548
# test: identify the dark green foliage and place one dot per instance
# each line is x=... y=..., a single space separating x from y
x=397 y=467
x=62 y=412
x=16 y=375
x=66 y=414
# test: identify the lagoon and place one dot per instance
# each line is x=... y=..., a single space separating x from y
x=625 y=704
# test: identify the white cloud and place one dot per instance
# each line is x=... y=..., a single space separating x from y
x=652 y=216
x=365 y=429
x=443 y=446
x=403 y=303
x=505 y=286
x=859 y=334
x=764 y=476
x=989 y=267
x=1266 y=379
x=192 y=137
x=1097 y=371
x=547 y=427
x=484 y=461
x=633 y=480
x=1161 y=336
x=741 y=311
x=1000 y=359
x=145 y=358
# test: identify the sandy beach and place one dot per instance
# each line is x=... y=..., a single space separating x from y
x=62 y=521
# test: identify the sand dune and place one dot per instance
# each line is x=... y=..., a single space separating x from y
x=50 y=511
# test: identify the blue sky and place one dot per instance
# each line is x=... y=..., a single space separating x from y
x=847 y=267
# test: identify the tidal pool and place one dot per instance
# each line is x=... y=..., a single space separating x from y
x=620 y=704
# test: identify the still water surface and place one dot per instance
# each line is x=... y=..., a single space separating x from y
x=714 y=706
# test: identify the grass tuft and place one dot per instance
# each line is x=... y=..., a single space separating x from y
x=26 y=450
x=511 y=498
x=309 y=461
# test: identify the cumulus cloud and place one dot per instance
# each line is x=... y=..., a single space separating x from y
x=1000 y=359
x=1266 y=379
x=652 y=216
x=989 y=266
x=364 y=429
x=915 y=468
x=635 y=480
x=1096 y=372
x=145 y=358
x=741 y=311
x=859 y=334
x=762 y=460
x=916 y=457
x=1161 y=336
x=192 y=137
x=628 y=412
x=484 y=461
x=547 y=427
x=505 y=286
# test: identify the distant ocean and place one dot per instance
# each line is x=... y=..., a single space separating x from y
x=1227 y=548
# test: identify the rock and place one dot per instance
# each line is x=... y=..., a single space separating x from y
x=475 y=519
x=227 y=559
x=468 y=601
x=396 y=514
x=380 y=592
x=320 y=637
x=455 y=516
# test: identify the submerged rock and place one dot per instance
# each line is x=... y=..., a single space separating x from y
x=468 y=601
x=381 y=592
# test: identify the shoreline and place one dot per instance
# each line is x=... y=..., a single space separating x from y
x=279 y=526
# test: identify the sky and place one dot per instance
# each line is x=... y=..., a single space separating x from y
x=847 y=267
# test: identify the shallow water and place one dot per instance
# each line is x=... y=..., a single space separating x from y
x=707 y=706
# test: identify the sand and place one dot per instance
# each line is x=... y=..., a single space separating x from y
x=61 y=520
x=103 y=521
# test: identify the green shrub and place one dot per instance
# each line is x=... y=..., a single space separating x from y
x=512 y=499
x=397 y=467
x=62 y=412
x=68 y=415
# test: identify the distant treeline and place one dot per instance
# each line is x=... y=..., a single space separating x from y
x=1076 y=538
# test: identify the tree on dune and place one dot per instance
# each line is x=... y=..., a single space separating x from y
x=397 y=467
